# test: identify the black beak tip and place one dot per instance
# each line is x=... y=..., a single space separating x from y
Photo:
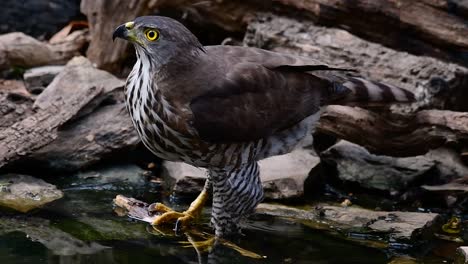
x=119 y=32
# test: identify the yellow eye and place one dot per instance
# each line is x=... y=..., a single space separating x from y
x=151 y=34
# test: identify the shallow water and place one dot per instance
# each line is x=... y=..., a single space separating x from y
x=83 y=228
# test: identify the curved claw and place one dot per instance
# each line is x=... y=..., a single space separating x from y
x=155 y=208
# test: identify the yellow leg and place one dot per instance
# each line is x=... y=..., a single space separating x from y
x=180 y=219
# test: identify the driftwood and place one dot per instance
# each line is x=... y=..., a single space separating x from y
x=72 y=90
x=20 y=50
x=405 y=136
x=104 y=133
x=420 y=26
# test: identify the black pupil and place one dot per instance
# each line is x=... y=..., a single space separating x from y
x=151 y=34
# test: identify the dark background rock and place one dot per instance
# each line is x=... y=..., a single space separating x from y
x=38 y=18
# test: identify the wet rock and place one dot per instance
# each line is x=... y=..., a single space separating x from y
x=116 y=178
x=462 y=255
x=283 y=177
x=36 y=79
x=24 y=193
x=396 y=225
x=355 y=164
x=56 y=240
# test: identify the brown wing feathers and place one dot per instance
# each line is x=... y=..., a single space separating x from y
x=259 y=97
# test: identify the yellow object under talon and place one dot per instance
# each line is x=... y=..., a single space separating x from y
x=180 y=220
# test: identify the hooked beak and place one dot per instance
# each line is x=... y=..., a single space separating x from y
x=123 y=31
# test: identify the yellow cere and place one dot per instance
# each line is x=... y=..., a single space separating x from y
x=151 y=34
x=129 y=25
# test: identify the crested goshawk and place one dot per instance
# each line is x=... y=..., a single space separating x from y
x=224 y=108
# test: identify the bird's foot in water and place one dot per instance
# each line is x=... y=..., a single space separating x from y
x=180 y=220
x=168 y=216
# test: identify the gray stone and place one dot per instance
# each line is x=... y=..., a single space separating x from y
x=24 y=193
x=397 y=225
x=283 y=177
x=355 y=164
x=40 y=77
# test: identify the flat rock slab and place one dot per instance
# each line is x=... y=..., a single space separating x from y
x=397 y=225
x=283 y=177
x=24 y=193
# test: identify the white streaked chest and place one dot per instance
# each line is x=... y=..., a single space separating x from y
x=151 y=113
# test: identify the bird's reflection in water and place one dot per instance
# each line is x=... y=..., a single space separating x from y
x=210 y=249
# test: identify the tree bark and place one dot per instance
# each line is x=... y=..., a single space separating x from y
x=72 y=90
x=396 y=136
x=103 y=17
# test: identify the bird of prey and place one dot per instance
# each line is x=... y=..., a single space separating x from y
x=224 y=108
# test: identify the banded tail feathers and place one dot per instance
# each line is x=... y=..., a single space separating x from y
x=359 y=90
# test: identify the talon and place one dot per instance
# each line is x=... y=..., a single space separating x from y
x=155 y=208
x=181 y=220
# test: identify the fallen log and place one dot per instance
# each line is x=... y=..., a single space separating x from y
x=74 y=89
x=396 y=136
x=103 y=134
x=20 y=50
x=418 y=26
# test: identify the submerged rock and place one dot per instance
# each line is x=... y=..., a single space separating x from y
x=283 y=177
x=402 y=226
x=24 y=193
x=57 y=241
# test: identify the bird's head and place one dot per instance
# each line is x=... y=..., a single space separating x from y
x=160 y=38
